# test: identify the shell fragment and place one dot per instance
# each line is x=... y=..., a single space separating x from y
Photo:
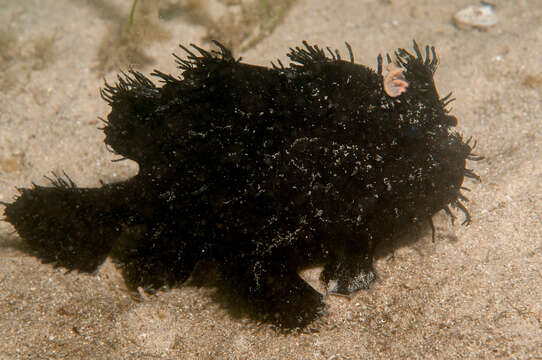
x=480 y=17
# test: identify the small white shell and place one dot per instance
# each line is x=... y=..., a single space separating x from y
x=479 y=17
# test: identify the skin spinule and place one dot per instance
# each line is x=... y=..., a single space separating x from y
x=263 y=171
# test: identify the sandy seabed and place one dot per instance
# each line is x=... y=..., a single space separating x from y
x=475 y=293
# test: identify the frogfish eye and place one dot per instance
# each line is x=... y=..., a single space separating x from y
x=449 y=120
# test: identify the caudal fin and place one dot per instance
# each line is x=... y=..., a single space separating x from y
x=66 y=225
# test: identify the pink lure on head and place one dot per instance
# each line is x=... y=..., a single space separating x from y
x=395 y=82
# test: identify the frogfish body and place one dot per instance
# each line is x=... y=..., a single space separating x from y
x=262 y=170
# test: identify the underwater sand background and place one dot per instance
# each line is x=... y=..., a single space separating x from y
x=475 y=293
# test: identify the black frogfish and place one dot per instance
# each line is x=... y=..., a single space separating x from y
x=261 y=170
